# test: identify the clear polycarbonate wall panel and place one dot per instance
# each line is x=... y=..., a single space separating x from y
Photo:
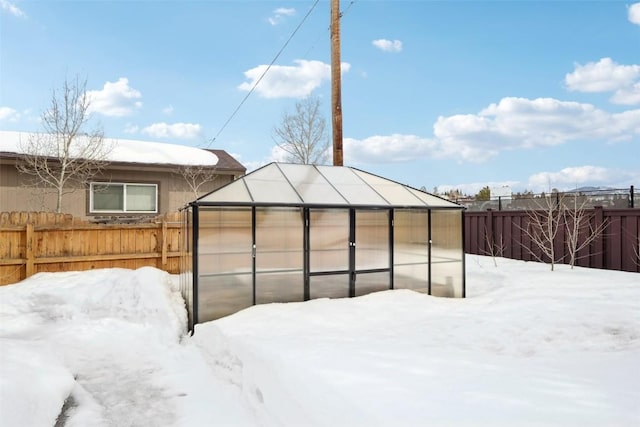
x=279 y=287
x=225 y=242
x=372 y=239
x=222 y=295
x=268 y=185
x=414 y=277
x=279 y=255
x=447 y=267
x=351 y=186
x=411 y=249
x=311 y=185
x=367 y=283
x=225 y=262
x=186 y=263
x=328 y=239
x=330 y=286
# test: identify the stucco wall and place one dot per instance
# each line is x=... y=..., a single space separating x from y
x=173 y=190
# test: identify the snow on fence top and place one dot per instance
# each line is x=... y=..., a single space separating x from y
x=124 y=150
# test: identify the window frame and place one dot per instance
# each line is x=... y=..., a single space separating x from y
x=124 y=185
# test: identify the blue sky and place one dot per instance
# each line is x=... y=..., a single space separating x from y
x=447 y=94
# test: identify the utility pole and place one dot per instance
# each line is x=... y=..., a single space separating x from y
x=336 y=83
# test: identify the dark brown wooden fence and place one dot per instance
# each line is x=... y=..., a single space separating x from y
x=503 y=233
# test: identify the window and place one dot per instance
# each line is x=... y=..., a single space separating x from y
x=119 y=197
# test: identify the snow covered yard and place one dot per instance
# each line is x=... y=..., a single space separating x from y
x=110 y=339
x=528 y=347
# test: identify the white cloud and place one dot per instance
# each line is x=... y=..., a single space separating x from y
x=388 y=45
x=289 y=81
x=606 y=76
x=512 y=123
x=176 y=130
x=634 y=13
x=627 y=96
x=12 y=9
x=603 y=76
x=278 y=155
x=168 y=110
x=9 y=114
x=116 y=99
x=394 y=148
x=523 y=123
x=253 y=165
x=279 y=15
x=131 y=128
x=571 y=177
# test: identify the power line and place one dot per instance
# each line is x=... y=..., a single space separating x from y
x=315 y=42
x=347 y=9
x=263 y=74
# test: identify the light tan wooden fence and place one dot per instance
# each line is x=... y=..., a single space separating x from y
x=37 y=242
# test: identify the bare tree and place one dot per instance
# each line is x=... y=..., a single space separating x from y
x=65 y=153
x=577 y=221
x=494 y=248
x=544 y=221
x=636 y=251
x=302 y=135
x=197 y=176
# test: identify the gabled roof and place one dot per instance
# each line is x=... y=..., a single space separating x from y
x=226 y=162
x=314 y=185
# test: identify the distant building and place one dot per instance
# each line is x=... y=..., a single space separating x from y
x=501 y=192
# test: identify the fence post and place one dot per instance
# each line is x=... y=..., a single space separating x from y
x=631 y=197
x=164 y=241
x=490 y=238
x=30 y=264
x=599 y=260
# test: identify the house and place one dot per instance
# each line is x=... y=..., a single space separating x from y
x=140 y=179
x=290 y=232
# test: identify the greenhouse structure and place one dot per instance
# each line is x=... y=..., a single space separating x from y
x=291 y=232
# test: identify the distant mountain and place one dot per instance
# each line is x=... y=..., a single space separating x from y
x=590 y=190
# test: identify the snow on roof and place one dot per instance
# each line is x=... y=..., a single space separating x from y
x=126 y=150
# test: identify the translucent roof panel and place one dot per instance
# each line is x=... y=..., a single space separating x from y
x=431 y=200
x=269 y=185
x=294 y=184
x=233 y=192
x=394 y=193
x=351 y=186
x=311 y=185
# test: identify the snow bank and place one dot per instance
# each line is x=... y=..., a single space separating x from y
x=64 y=334
x=36 y=381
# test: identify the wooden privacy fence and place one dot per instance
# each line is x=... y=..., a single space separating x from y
x=37 y=242
x=502 y=233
